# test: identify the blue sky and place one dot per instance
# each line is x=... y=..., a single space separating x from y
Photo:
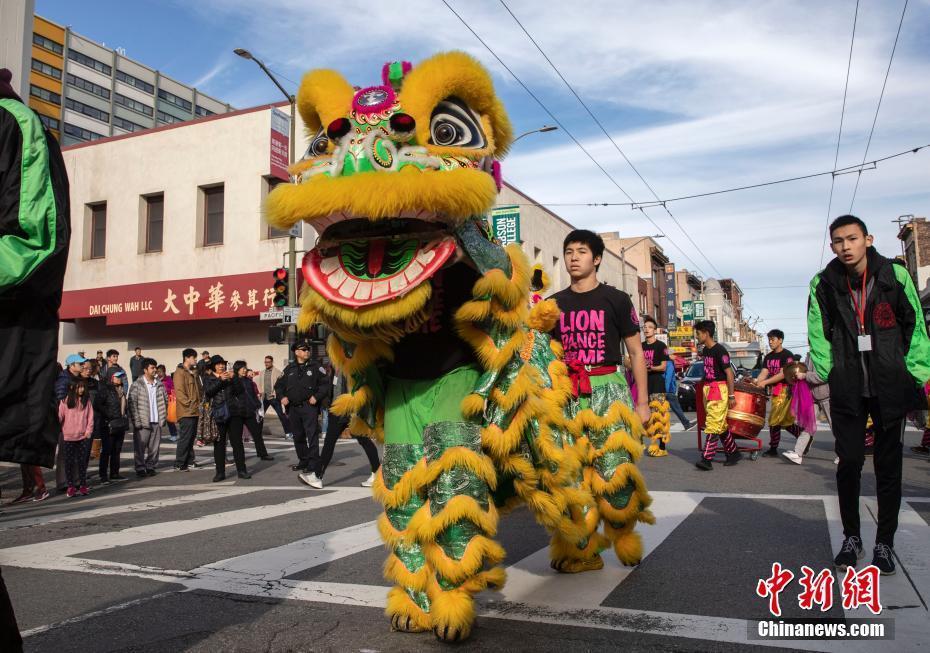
x=700 y=95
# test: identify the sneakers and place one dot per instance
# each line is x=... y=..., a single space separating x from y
x=105 y=481
x=150 y=472
x=870 y=450
x=369 y=481
x=182 y=468
x=41 y=496
x=288 y=436
x=22 y=498
x=704 y=465
x=72 y=491
x=267 y=457
x=244 y=475
x=850 y=553
x=219 y=477
x=793 y=457
x=140 y=474
x=921 y=451
x=311 y=479
x=883 y=558
x=687 y=427
x=118 y=477
x=771 y=453
x=84 y=490
x=733 y=458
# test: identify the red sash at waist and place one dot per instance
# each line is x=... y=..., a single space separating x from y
x=713 y=390
x=580 y=376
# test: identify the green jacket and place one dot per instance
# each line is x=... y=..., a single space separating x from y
x=899 y=363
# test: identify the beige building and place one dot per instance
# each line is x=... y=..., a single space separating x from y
x=169 y=248
x=542 y=233
x=649 y=260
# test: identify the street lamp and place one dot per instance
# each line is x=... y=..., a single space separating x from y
x=545 y=128
x=623 y=249
x=292 y=240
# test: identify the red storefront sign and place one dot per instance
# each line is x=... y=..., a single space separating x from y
x=280 y=144
x=209 y=298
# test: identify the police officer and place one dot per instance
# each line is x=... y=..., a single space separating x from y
x=302 y=390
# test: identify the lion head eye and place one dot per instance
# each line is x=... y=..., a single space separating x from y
x=318 y=145
x=453 y=124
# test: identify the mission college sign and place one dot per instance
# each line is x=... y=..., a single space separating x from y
x=210 y=298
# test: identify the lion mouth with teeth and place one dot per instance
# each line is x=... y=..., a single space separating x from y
x=392 y=178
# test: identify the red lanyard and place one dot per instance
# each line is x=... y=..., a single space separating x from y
x=860 y=305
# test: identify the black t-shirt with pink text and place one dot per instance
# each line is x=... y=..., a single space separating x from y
x=776 y=362
x=716 y=362
x=655 y=354
x=592 y=324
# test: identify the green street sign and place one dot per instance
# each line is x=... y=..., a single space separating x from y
x=505 y=221
x=699 y=310
x=687 y=310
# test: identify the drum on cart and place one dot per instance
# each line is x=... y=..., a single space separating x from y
x=746 y=416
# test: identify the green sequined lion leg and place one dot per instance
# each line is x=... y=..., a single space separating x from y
x=456 y=526
x=613 y=478
x=400 y=486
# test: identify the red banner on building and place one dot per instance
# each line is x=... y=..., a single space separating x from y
x=280 y=144
x=210 y=298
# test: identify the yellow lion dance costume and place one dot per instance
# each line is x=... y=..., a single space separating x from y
x=446 y=362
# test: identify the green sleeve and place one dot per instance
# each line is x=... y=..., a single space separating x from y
x=21 y=253
x=917 y=346
x=817 y=337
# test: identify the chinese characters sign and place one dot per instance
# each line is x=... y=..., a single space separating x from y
x=280 y=144
x=670 y=296
x=506 y=224
x=238 y=295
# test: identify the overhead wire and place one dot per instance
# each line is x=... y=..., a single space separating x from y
x=878 y=108
x=839 y=137
x=607 y=134
x=569 y=133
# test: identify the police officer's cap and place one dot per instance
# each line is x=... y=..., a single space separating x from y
x=303 y=343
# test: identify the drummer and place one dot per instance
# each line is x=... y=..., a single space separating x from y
x=718 y=397
x=773 y=375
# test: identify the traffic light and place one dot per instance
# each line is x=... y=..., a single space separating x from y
x=277 y=335
x=280 y=287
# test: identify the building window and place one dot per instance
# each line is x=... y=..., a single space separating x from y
x=49 y=122
x=98 y=230
x=81 y=133
x=142 y=85
x=47 y=43
x=213 y=215
x=46 y=69
x=133 y=105
x=203 y=111
x=167 y=118
x=90 y=87
x=90 y=62
x=271 y=184
x=154 y=222
x=127 y=125
x=171 y=98
x=87 y=110
x=44 y=94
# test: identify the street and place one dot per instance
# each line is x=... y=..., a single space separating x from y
x=177 y=563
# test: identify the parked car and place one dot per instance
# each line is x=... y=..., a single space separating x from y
x=693 y=376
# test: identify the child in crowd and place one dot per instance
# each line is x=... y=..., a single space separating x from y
x=76 y=416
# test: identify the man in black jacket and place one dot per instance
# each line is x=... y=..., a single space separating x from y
x=35 y=231
x=301 y=390
x=868 y=340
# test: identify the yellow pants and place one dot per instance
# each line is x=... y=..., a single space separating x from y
x=780 y=413
x=715 y=410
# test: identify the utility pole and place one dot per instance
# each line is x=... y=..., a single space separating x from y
x=291 y=239
x=900 y=221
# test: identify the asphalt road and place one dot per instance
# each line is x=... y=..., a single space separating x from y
x=177 y=563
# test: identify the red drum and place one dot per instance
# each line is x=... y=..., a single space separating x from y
x=747 y=416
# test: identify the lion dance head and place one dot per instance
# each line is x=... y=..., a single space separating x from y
x=396 y=179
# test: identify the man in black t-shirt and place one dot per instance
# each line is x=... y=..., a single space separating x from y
x=718 y=397
x=595 y=318
x=656 y=354
x=773 y=375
